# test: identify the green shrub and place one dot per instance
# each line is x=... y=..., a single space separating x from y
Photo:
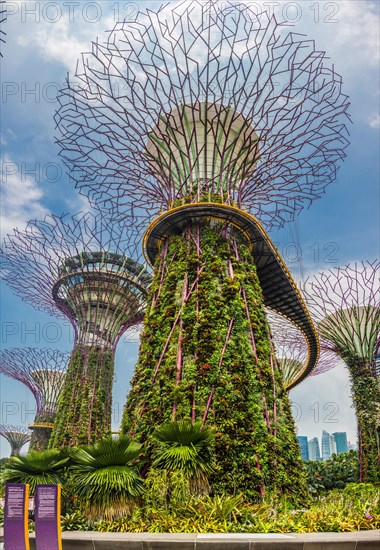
x=105 y=477
x=355 y=508
x=74 y=522
x=334 y=473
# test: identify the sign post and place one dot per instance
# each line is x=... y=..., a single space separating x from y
x=16 y=536
x=47 y=515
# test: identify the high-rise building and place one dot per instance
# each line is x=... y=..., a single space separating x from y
x=341 y=442
x=302 y=442
x=328 y=445
x=313 y=448
x=352 y=446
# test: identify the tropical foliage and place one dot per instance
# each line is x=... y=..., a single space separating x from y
x=36 y=468
x=366 y=398
x=206 y=355
x=105 y=477
x=334 y=473
x=186 y=448
x=40 y=435
x=84 y=411
x=355 y=508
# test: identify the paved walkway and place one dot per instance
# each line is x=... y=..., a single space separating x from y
x=362 y=540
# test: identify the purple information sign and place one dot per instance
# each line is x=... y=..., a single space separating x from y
x=16 y=535
x=47 y=515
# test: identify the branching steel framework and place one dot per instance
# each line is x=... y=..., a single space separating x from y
x=346 y=303
x=291 y=350
x=3 y=18
x=85 y=269
x=17 y=437
x=42 y=371
x=210 y=117
x=185 y=77
x=198 y=104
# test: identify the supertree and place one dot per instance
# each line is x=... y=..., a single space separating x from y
x=85 y=269
x=199 y=114
x=17 y=437
x=291 y=350
x=345 y=301
x=42 y=371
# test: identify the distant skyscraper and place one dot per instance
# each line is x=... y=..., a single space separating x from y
x=352 y=446
x=341 y=442
x=302 y=442
x=377 y=368
x=328 y=445
x=313 y=447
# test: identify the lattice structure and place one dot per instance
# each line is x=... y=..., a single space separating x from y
x=17 y=437
x=3 y=18
x=206 y=116
x=346 y=302
x=204 y=98
x=42 y=371
x=291 y=350
x=86 y=269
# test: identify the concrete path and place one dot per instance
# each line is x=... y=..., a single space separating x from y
x=362 y=540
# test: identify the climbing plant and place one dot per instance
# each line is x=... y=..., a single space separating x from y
x=365 y=391
x=84 y=411
x=206 y=356
x=41 y=431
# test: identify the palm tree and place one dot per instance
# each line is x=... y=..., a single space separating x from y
x=186 y=448
x=105 y=477
x=36 y=467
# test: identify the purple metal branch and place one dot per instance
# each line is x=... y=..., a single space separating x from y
x=3 y=18
x=16 y=436
x=345 y=302
x=42 y=371
x=136 y=100
x=291 y=349
x=71 y=266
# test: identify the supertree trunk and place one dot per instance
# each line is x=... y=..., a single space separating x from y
x=84 y=412
x=41 y=431
x=82 y=268
x=366 y=398
x=346 y=303
x=40 y=439
x=206 y=355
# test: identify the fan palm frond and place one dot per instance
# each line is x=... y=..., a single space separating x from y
x=105 y=477
x=37 y=468
x=187 y=448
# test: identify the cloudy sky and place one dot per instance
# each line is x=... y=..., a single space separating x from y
x=43 y=42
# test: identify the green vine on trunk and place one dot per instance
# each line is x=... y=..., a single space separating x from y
x=366 y=397
x=206 y=355
x=84 y=411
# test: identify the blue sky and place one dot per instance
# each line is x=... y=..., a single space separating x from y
x=43 y=41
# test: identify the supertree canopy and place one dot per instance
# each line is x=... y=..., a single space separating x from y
x=345 y=301
x=201 y=114
x=42 y=371
x=199 y=100
x=16 y=436
x=292 y=353
x=85 y=269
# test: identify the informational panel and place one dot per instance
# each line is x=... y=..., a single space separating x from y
x=16 y=535
x=47 y=516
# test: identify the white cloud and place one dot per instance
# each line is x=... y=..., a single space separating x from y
x=64 y=40
x=374 y=121
x=21 y=197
